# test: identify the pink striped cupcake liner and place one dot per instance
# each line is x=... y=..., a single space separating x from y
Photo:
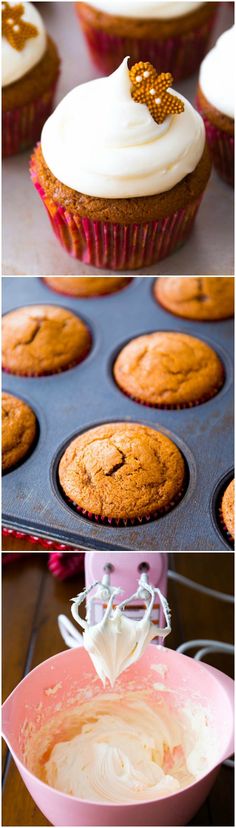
x=172 y=407
x=181 y=54
x=221 y=146
x=22 y=126
x=118 y=522
x=117 y=246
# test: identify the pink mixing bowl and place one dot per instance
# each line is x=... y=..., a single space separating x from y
x=70 y=671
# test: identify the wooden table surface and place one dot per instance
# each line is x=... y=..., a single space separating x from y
x=32 y=599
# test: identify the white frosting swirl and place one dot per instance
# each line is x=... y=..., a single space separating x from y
x=217 y=79
x=122 y=749
x=15 y=64
x=102 y=143
x=118 y=643
x=145 y=9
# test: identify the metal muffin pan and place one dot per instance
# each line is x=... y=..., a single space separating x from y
x=75 y=400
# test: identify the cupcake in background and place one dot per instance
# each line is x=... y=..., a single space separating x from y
x=30 y=68
x=122 y=168
x=227 y=510
x=174 y=36
x=215 y=100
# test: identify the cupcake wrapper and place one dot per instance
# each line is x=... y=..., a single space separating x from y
x=181 y=54
x=118 y=522
x=49 y=373
x=221 y=146
x=21 y=127
x=172 y=407
x=116 y=246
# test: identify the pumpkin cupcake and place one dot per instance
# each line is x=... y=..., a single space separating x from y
x=168 y=370
x=227 y=511
x=122 y=168
x=215 y=101
x=43 y=339
x=174 y=36
x=30 y=68
x=122 y=473
x=19 y=431
x=205 y=299
x=86 y=286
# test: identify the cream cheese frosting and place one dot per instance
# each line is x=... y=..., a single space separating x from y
x=100 y=142
x=124 y=748
x=217 y=77
x=144 y=9
x=15 y=64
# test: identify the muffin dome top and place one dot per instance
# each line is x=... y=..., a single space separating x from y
x=23 y=39
x=144 y=8
x=204 y=298
x=216 y=75
x=102 y=143
x=19 y=428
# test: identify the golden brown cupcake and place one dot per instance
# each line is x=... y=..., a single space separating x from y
x=19 y=430
x=86 y=286
x=122 y=472
x=43 y=339
x=168 y=370
x=227 y=509
x=206 y=298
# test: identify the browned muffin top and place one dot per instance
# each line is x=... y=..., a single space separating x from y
x=122 y=471
x=166 y=368
x=19 y=427
x=43 y=339
x=227 y=508
x=205 y=298
x=86 y=285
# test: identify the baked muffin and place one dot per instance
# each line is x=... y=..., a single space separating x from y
x=120 y=171
x=227 y=509
x=86 y=286
x=43 y=339
x=30 y=69
x=207 y=298
x=122 y=472
x=173 y=35
x=168 y=370
x=215 y=101
x=19 y=430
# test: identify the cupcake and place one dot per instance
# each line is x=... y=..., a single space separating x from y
x=215 y=101
x=19 y=431
x=168 y=370
x=227 y=511
x=86 y=286
x=174 y=36
x=30 y=68
x=205 y=299
x=122 y=168
x=43 y=339
x=122 y=473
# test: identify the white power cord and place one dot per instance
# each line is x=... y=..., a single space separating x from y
x=181 y=579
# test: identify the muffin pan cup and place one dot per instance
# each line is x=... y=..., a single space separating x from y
x=78 y=399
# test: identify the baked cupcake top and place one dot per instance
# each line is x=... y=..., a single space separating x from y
x=103 y=143
x=144 y=8
x=43 y=339
x=206 y=298
x=168 y=369
x=227 y=508
x=122 y=471
x=24 y=40
x=19 y=428
x=86 y=285
x=216 y=77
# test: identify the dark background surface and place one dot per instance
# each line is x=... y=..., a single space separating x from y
x=32 y=599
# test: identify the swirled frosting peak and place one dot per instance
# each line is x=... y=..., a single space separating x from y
x=217 y=80
x=102 y=143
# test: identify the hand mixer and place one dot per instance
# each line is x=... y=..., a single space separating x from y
x=116 y=633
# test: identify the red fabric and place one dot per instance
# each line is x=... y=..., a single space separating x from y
x=61 y=564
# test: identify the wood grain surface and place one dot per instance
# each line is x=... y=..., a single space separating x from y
x=32 y=599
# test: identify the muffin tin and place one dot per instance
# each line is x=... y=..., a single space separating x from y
x=85 y=396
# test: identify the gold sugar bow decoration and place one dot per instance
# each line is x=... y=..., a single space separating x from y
x=14 y=29
x=150 y=88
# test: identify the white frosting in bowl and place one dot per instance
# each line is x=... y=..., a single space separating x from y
x=15 y=64
x=100 y=142
x=217 y=75
x=144 y=9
